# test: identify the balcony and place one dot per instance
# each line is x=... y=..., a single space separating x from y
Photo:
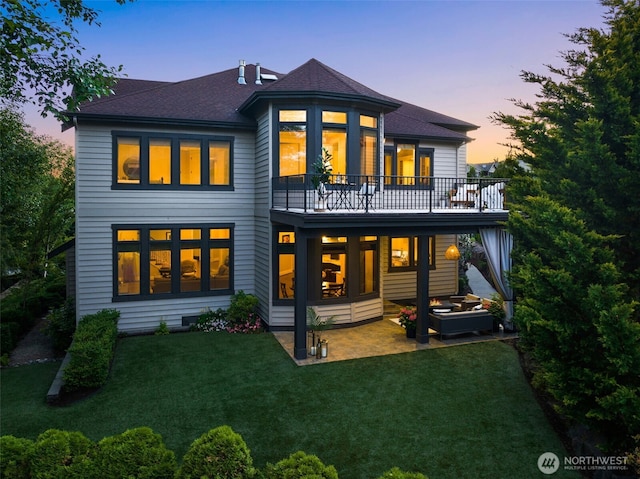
x=388 y=194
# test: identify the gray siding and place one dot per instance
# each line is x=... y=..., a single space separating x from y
x=262 y=224
x=99 y=207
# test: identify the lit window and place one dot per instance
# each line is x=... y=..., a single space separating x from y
x=293 y=115
x=334 y=117
x=368 y=121
x=160 y=161
x=150 y=161
x=175 y=261
x=368 y=264
x=128 y=262
x=335 y=142
x=128 y=160
x=286 y=265
x=189 y=162
x=407 y=161
x=293 y=142
x=219 y=163
x=403 y=253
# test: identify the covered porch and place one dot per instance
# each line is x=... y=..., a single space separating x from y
x=309 y=227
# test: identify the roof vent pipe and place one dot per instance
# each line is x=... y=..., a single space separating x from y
x=241 y=79
x=258 y=73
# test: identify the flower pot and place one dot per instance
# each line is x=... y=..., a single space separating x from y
x=411 y=333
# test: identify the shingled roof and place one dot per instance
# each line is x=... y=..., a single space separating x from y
x=211 y=99
x=218 y=100
x=315 y=79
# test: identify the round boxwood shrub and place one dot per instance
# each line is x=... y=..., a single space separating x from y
x=220 y=453
x=61 y=454
x=138 y=453
x=397 y=473
x=300 y=465
x=14 y=457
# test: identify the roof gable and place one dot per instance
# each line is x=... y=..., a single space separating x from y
x=314 y=78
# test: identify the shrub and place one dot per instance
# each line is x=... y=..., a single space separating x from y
x=162 y=328
x=138 y=453
x=242 y=305
x=8 y=336
x=220 y=453
x=242 y=315
x=210 y=321
x=300 y=465
x=397 y=473
x=92 y=350
x=61 y=454
x=61 y=324
x=14 y=457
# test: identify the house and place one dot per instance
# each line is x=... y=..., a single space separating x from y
x=190 y=191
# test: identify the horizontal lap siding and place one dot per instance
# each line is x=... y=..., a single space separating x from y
x=341 y=313
x=99 y=207
x=262 y=222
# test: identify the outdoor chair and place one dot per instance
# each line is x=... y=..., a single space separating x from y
x=365 y=195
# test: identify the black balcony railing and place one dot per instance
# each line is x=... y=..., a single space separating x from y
x=362 y=193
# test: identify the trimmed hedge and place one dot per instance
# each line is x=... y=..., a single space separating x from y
x=14 y=457
x=300 y=465
x=57 y=454
x=220 y=453
x=138 y=453
x=92 y=351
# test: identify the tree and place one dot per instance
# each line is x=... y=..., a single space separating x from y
x=39 y=56
x=37 y=195
x=576 y=223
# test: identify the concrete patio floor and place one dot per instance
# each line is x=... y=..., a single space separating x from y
x=379 y=338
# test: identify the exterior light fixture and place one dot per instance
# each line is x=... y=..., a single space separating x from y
x=452 y=253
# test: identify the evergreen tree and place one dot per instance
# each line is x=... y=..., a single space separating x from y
x=576 y=224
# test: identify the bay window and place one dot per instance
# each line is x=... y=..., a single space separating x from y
x=285 y=264
x=292 y=142
x=340 y=268
x=350 y=136
x=334 y=139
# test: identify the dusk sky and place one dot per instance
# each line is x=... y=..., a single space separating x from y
x=459 y=58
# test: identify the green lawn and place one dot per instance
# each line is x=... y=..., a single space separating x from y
x=461 y=412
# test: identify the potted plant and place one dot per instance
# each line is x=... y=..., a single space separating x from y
x=407 y=318
x=321 y=174
x=496 y=309
x=316 y=325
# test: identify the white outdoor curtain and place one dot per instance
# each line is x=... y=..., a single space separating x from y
x=497 y=245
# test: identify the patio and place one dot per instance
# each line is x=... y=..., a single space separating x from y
x=379 y=338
